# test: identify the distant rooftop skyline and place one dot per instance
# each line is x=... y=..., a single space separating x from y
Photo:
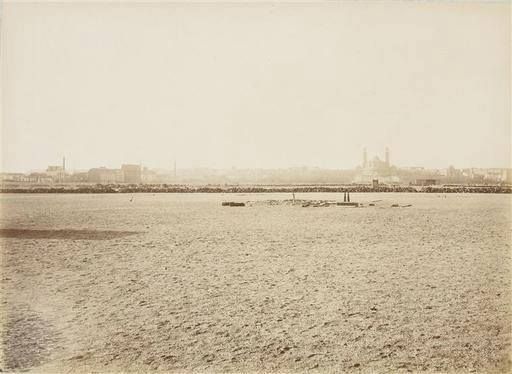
x=171 y=169
x=255 y=85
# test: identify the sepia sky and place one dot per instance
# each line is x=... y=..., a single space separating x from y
x=255 y=84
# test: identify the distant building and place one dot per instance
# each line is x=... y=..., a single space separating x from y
x=79 y=177
x=149 y=176
x=495 y=175
x=40 y=178
x=376 y=169
x=14 y=177
x=105 y=176
x=57 y=172
x=132 y=174
x=477 y=175
x=54 y=169
x=508 y=176
x=454 y=175
x=426 y=182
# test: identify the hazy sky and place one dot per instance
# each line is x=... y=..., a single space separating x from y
x=255 y=85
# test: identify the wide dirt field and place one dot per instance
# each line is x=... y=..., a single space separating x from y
x=202 y=287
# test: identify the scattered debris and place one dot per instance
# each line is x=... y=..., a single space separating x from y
x=318 y=203
x=275 y=202
x=347 y=204
x=232 y=203
x=308 y=203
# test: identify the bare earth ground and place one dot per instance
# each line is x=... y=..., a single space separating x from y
x=203 y=287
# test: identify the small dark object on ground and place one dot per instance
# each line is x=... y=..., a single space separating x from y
x=232 y=203
x=347 y=204
x=395 y=206
x=371 y=204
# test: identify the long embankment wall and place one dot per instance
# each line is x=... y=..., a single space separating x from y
x=163 y=188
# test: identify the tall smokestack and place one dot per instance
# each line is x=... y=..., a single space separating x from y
x=365 y=158
x=387 y=156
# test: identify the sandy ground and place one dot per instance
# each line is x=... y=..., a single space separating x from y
x=203 y=287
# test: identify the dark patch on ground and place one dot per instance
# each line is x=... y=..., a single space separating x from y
x=27 y=340
x=64 y=234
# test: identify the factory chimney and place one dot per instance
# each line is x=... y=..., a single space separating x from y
x=387 y=157
x=365 y=158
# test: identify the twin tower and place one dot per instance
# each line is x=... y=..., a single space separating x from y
x=376 y=159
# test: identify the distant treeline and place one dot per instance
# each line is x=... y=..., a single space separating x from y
x=163 y=188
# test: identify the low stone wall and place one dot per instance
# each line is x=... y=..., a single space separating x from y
x=162 y=188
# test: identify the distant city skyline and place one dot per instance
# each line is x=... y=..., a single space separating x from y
x=373 y=171
x=269 y=86
x=174 y=166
